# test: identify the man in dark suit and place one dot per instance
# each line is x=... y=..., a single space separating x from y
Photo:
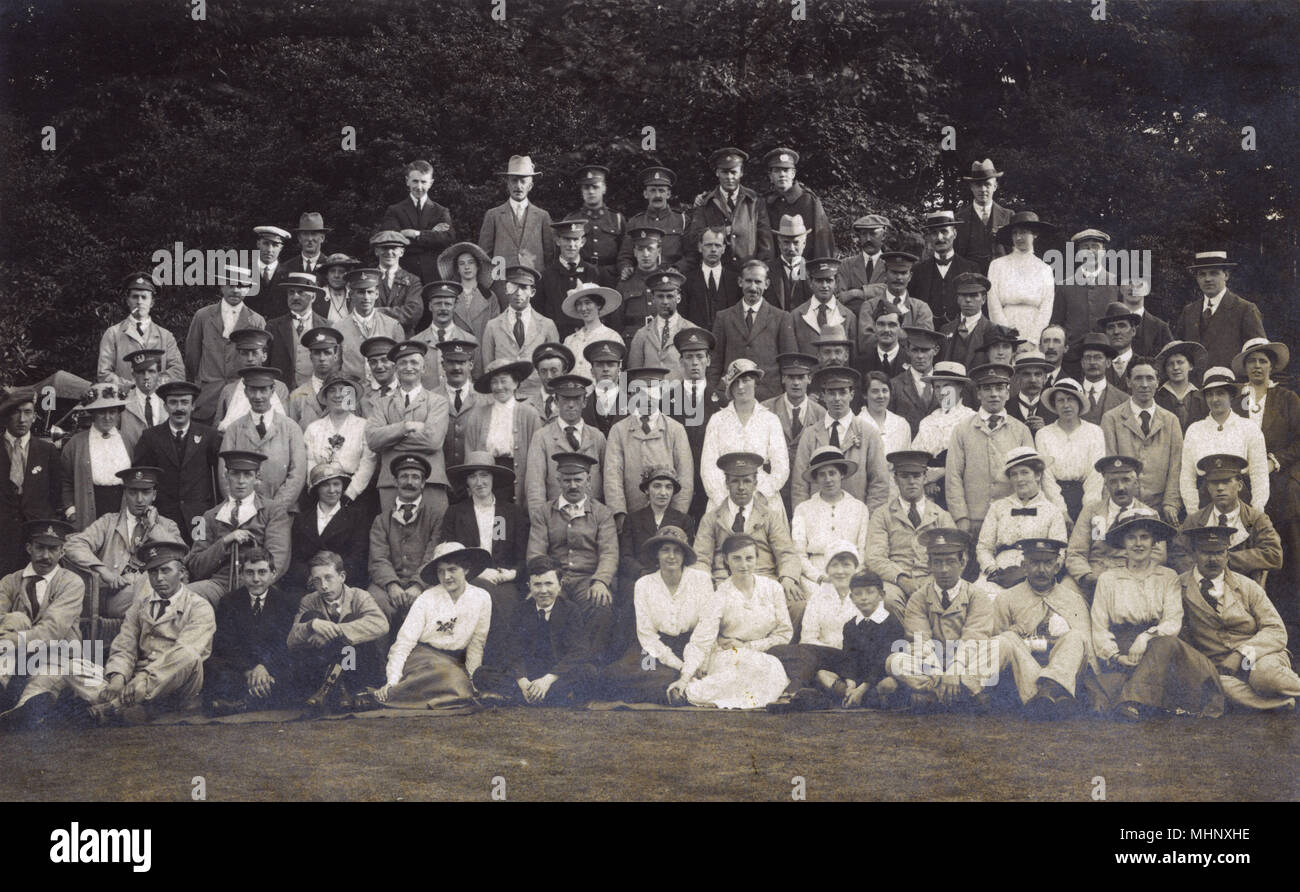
x=883 y=352
x=711 y=286
x=934 y=279
x=186 y=453
x=268 y=270
x=286 y=353
x=789 y=197
x=1153 y=333
x=1087 y=289
x=425 y=223
x=249 y=665
x=1026 y=402
x=548 y=657
x=966 y=337
x=399 y=290
x=867 y=266
x=1101 y=392
x=1218 y=320
x=736 y=209
x=753 y=329
x=787 y=285
x=561 y=277
x=910 y=395
x=979 y=221
x=31 y=479
x=700 y=399
x=311 y=234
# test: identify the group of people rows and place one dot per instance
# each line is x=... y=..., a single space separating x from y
x=690 y=456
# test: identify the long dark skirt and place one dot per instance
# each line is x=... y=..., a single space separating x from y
x=1172 y=676
x=636 y=678
x=432 y=679
x=1072 y=493
x=108 y=500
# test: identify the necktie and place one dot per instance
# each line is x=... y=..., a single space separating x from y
x=663 y=337
x=712 y=279
x=442 y=333
x=137 y=536
x=994 y=421
x=541 y=615
x=1206 y=315
x=297 y=326
x=1206 y=585
x=180 y=444
x=160 y=607
x=17 y=464
x=30 y=586
x=408 y=510
x=738 y=524
x=572 y=433
x=871 y=267
x=257 y=605
x=266 y=274
x=749 y=320
x=1223 y=519
x=913 y=516
x=835 y=434
x=519 y=328
x=550 y=405
x=406 y=398
x=1146 y=421
x=1024 y=512
x=261 y=426
x=459 y=402
x=139 y=329
x=234 y=513
x=945 y=600
x=645 y=424
x=821 y=315
x=148 y=412
x=731 y=204
x=796 y=424
x=1092 y=399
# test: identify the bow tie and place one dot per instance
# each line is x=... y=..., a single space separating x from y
x=1024 y=512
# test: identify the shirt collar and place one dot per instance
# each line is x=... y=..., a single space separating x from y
x=22 y=441
x=326 y=515
x=984 y=416
x=1214 y=301
x=518 y=206
x=29 y=570
x=1138 y=410
x=843 y=422
x=1098 y=386
x=1217 y=586
x=921 y=505
x=580 y=505
x=732 y=508
x=888 y=354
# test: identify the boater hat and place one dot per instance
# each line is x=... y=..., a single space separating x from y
x=1138 y=518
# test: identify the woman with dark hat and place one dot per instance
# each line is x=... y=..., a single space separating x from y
x=669 y=603
x=1276 y=410
x=339 y=437
x=440 y=644
x=334 y=270
x=468 y=264
x=1180 y=364
x=92 y=458
x=503 y=426
x=660 y=483
x=328 y=524
x=1074 y=445
x=1021 y=287
x=501 y=527
x=1143 y=667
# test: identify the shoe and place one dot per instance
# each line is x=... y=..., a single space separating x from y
x=365 y=701
x=884 y=691
x=320 y=700
x=226 y=707
x=783 y=704
x=1128 y=712
x=103 y=713
x=31 y=714
x=345 y=700
x=491 y=699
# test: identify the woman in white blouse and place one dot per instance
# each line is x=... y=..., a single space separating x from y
x=92 y=458
x=1025 y=514
x=669 y=604
x=1223 y=431
x=745 y=425
x=828 y=516
x=747 y=617
x=935 y=430
x=1074 y=446
x=1143 y=667
x=440 y=644
x=339 y=437
x=894 y=429
x=589 y=304
x=503 y=426
x=1022 y=287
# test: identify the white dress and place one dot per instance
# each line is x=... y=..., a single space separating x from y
x=934 y=433
x=745 y=677
x=1021 y=292
x=762 y=434
x=352 y=453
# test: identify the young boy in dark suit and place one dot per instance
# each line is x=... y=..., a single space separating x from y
x=868 y=640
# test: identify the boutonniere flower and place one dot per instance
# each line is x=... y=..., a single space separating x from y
x=854 y=441
x=36 y=469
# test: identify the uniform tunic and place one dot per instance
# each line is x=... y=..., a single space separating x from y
x=1059 y=617
x=121 y=340
x=630 y=453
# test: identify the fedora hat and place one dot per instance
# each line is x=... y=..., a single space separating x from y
x=1210 y=260
x=1116 y=311
x=982 y=170
x=480 y=461
x=947 y=372
x=1095 y=340
x=1023 y=220
x=1196 y=354
x=473 y=560
x=609 y=299
x=1281 y=354
x=791 y=225
x=447 y=263
x=519 y=370
x=669 y=535
x=519 y=166
x=312 y=222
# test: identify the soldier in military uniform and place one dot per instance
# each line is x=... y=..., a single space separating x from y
x=658 y=189
x=602 y=409
x=605 y=227
x=550 y=360
x=252 y=346
x=381 y=373
x=652 y=345
x=457 y=360
x=631 y=317
x=699 y=400
x=137 y=332
x=1088 y=555
x=570 y=271
x=325 y=347
x=791 y=198
x=736 y=208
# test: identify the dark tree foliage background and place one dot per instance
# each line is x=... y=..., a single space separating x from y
x=170 y=129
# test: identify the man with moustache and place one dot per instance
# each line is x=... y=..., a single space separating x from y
x=457 y=357
x=364 y=322
x=413 y=421
x=657 y=187
x=1088 y=288
x=287 y=353
x=252 y=346
x=1088 y=555
x=311 y=234
x=403 y=537
x=565 y=433
x=752 y=329
x=210 y=356
x=979 y=221
x=185 y=453
x=518 y=230
x=867 y=266
x=934 y=279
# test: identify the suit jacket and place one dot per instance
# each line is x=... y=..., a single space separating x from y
x=266 y=299
x=453 y=443
x=776 y=552
x=169 y=647
x=783 y=291
x=806 y=331
x=1161 y=451
x=974 y=239
x=893 y=544
x=532 y=244
x=397 y=550
x=1017 y=411
x=1260 y=551
x=601 y=422
x=918 y=314
x=133 y=424
x=1112 y=398
x=862 y=444
x=283 y=475
x=509 y=550
x=969 y=616
x=354 y=364
x=906 y=400
x=282 y=355
x=402 y=301
x=534 y=647
x=499 y=342
x=421 y=255
x=630 y=453
x=939 y=292
x=1281 y=428
x=57 y=618
x=360 y=618
x=543 y=485
x=1235 y=321
x=433 y=375
x=1151 y=336
x=698 y=304
x=749 y=227
x=647 y=349
x=384 y=433
x=556 y=282
x=1077 y=307
x=120 y=341
x=210 y=559
x=772 y=334
x=526 y=423
x=811 y=413
x=1248 y=619
x=639 y=526
x=347 y=534
x=969 y=350
x=298 y=264
x=852 y=277
x=187 y=485
x=243 y=641
x=870 y=361
x=211 y=358
x=41 y=497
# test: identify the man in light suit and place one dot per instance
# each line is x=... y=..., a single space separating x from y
x=381 y=376
x=252 y=347
x=866 y=267
x=281 y=479
x=311 y=234
x=859 y=440
x=823 y=309
x=413 y=420
x=652 y=345
x=752 y=329
x=711 y=286
x=286 y=352
x=1254 y=547
x=209 y=352
x=364 y=322
x=518 y=231
x=137 y=332
x=441 y=300
x=1140 y=429
x=934 y=279
x=646 y=438
x=794 y=407
x=399 y=291
x=520 y=330
x=457 y=359
x=1218 y=320
x=565 y=433
x=425 y=223
x=979 y=221
x=736 y=208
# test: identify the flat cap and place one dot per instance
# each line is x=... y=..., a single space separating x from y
x=389 y=237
